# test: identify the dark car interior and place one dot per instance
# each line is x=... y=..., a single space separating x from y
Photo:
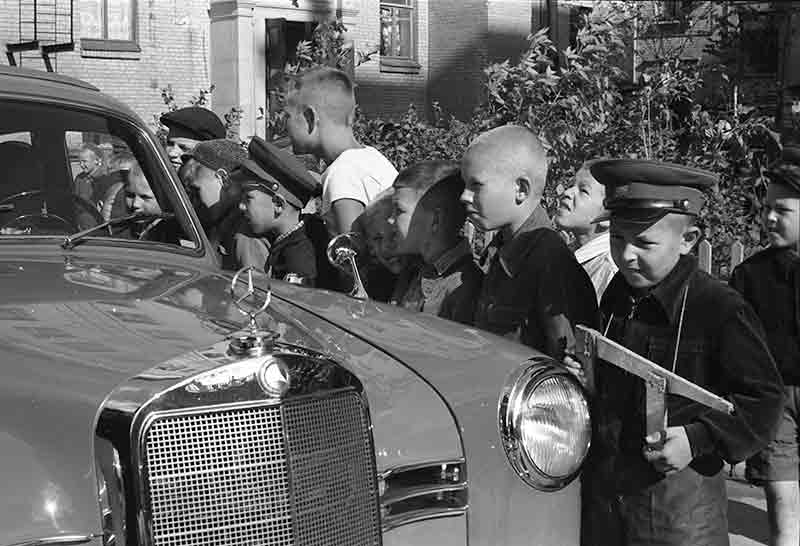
x=42 y=168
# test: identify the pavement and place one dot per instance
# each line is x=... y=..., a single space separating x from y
x=747 y=511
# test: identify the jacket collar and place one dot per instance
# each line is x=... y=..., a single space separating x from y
x=667 y=295
x=512 y=253
x=446 y=261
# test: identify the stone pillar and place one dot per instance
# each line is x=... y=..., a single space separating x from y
x=236 y=37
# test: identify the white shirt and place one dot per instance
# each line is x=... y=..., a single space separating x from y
x=595 y=257
x=359 y=174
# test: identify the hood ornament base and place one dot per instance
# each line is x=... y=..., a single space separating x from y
x=253 y=341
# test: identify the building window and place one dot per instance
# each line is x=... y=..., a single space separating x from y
x=397 y=29
x=108 y=19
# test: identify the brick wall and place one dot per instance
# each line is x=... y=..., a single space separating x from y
x=173 y=36
x=509 y=26
x=384 y=93
x=457 y=39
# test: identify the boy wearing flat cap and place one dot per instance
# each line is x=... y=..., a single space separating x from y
x=188 y=126
x=216 y=201
x=770 y=282
x=275 y=189
x=670 y=489
x=534 y=291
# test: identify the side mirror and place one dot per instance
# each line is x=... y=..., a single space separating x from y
x=342 y=252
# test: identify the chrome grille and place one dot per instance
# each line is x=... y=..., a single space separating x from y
x=222 y=476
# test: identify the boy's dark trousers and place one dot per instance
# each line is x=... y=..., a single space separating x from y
x=685 y=508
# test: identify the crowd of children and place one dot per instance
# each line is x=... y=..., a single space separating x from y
x=628 y=270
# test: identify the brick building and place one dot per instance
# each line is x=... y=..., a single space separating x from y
x=423 y=50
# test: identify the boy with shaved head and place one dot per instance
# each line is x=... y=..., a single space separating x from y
x=320 y=109
x=770 y=281
x=669 y=488
x=534 y=291
x=427 y=218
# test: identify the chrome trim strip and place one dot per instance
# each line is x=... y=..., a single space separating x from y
x=423 y=491
x=407 y=468
x=393 y=522
x=61 y=539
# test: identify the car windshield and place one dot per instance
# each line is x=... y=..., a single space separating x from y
x=64 y=171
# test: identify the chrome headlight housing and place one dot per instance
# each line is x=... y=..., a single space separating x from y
x=545 y=424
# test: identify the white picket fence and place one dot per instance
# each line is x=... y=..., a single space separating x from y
x=704 y=257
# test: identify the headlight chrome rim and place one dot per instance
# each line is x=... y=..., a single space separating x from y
x=521 y=383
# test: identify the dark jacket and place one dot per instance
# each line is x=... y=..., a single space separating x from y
x=535 y=291
x=770 y=282
x=447 y=288
x=722 y=348
x=293 y=258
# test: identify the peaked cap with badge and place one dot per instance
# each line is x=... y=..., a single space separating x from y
x=220 y=153
x=640 y=190
x=276 y=172
x=193 y=122
x=786 y=170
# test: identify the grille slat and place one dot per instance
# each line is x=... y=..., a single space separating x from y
x=222 y=477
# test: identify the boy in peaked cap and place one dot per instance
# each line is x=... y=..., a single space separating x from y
x=275 y=189
x=770 y=281
x=187 y=127
x=670 y=489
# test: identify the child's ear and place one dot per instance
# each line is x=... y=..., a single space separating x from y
x=691 y=236
x=311 y=118
x=279 y=204
x=522 y=189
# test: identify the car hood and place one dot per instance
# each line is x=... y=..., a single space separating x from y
x=72 y=330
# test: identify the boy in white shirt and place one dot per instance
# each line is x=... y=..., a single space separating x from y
x=578 y=206
x=320 y=107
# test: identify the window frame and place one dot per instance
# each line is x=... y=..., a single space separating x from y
x=118 y=45
x=392 y=63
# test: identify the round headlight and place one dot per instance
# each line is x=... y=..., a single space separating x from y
x=545 y=424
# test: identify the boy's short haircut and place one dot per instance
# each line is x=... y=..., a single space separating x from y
x=437 y=183
x=329 y=90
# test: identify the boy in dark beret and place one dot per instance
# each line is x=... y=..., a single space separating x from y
x=670 y=488
x=770 y=282
x=187 y=127
x=275 y=189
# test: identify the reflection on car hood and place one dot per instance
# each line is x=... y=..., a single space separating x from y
x=71 y=332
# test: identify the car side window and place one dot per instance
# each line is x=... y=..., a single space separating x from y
x=63 y=171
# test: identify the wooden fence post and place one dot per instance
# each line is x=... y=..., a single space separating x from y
x=704 y=256
x=737 y=254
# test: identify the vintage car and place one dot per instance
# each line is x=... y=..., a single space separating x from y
x=149 y=398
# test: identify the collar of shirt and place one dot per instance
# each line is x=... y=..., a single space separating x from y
x=598 y=246
x=512 y=254
x=668 y=294
x=286 y=238
x=446 y=261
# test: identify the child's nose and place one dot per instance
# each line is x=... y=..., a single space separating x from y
x=466 y=197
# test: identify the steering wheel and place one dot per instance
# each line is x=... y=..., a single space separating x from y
x=45 y=223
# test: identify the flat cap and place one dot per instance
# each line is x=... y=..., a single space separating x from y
x=276 y=171
x=786 y=170
x=219 y=153
x=193 y=122
x=645 y=190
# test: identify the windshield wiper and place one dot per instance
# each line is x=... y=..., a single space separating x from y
x=71 y=240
